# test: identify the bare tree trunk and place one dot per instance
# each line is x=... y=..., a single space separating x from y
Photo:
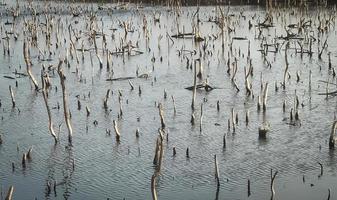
x=44 y=93
x=65 y=105
x=10 y=193
x=28 y=65
x=161 y=114
x=153 y=187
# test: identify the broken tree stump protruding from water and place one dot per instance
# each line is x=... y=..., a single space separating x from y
x=65 y=103
x=273 y=176
x=137 y=133
x=216 y=171
x=201 y=117
x=29 y=65
x=23 y=161
x=29 y=154
x=12 y=96
x=156 y=155
x=263 y=130
x=321 y=172
x=9 y=195
x=153 y=187
x=265 y=96
x=45 y=98
x=118 y=135
x=332 y=139
x=131 y=85
x=87 y=110
x=249 y=188
x=194 y=86
x=105 y=102
x=174 y=104
x=161 y=114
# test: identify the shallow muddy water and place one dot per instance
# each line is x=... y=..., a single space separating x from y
x=97 y=167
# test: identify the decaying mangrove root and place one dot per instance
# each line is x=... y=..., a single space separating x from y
x=65 y=104
x=9 y=195
x=12 y=96
x=29 y=65
x=332 y=139
x=45 y=94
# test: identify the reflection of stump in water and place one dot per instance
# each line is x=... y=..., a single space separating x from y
x=60 y=165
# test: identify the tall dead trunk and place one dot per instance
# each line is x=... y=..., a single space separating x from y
x=44 y=94
x=29 y=65
x=65 y=105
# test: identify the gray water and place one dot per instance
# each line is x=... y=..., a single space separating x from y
x=105 y=169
